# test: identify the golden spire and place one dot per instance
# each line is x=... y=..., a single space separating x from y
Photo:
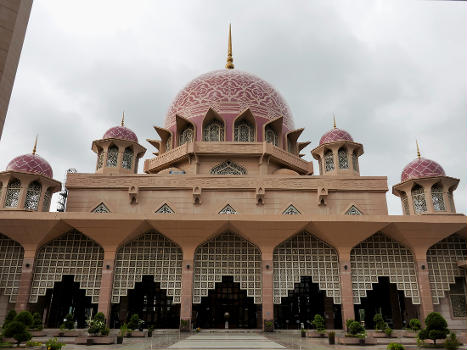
x=123 y=118
x=229 y=64
x=334 y=117
x=35 y=147
x=418 y=149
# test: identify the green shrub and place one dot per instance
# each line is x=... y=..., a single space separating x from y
x=451 y=342
x=379 y=322
x=31 y=343
x=18 y=331
x=134 y=322
x=25 y=318
x=36 y=321
x=318 y=322
x=436 y=328
x=9 y=317
x=53 y=344
x=347 y=324
x=388 y=331
x=395 y=346
x=123 y=329
x=268 y=326
x=414 y=324
x=356 y=328
x=99 y=317
x=69 y=322
x=105 y=331
x=97 y=324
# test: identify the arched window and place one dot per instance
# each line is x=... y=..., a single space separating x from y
x=437 y=197
x=127 y=158
x=33 y=194
x=355 y=161
x=100 y=158
x=168 y=143
x=244 y=131
x=405 y=203
x=328 y=160
x=12 y=193
x=47 y=199
x=187 y=135
x=343 y=159
x=271 y=136
x=214 y=131
x=112 y=156
x=418 y=198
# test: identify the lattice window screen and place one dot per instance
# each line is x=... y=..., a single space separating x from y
x=306 y=255
x=151 y=254
x=11 y=260
x=328 y=160
x=71 y=254
x=343 y=159
x=379 y=256
x=442 y=261
x=228 y=168
x=227 y=255
x=101 y=208
x=353 y=210
x=227 y=210
x=291 y=210
x=165 y=209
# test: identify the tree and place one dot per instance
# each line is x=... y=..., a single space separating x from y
x=37 y=321
x=9 y=317
x=134 y=322
x=414 y=324
x=318 y=322
x=436 y=327
x=356 y=328
x=25 y=318
x=379 y=322
x=69 y=321
x=18 y=331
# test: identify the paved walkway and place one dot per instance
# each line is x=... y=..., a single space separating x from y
x=220 y=341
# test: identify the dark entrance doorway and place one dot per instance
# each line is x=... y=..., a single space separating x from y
x=302 y=304
x=385 y=299
x=150 y=302
x=66 y=297
x=227 y=297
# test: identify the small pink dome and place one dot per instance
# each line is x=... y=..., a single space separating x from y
x=421 y=167
x=335 y=135
x=122 y=133
x=30 y=163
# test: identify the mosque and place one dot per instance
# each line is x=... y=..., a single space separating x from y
x=230 y=223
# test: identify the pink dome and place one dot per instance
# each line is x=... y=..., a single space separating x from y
x=421 y=167
x=122 y=133
x=229 y=92
x=30 y=163
x=335 y=135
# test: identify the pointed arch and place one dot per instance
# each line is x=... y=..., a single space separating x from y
x=228 y=168
x=227 y=210
x=11 y=261
x=343 y=158
x=12 y=193
x=127 y=160
x=72 y=253
x=328 y=160
x=244 y=127
x=33 y=195
x=213 y=127
x=381 y=256
x=186 y=130
x=305 y=255
x=437 y=197
x=150 y=254
x=112 y=156
x=272 y=131
x=418 y=199
x=165 y=209
x=227 y=254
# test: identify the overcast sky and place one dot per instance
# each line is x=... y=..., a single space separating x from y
x=392 y=72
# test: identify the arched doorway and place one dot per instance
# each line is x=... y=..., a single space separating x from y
x=227 y=277
x=64 y=298
x=227 y=302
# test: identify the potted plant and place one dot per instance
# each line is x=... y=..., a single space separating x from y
x=97 y=324
x=123 y=331
x=451 y=342
x=332 y=337
x=318 y=323
x=268 y=326
x=184 y=325
x=303 y=332
x=150 y=329
x=134 y=322
x=388 y=332
x=395 y=346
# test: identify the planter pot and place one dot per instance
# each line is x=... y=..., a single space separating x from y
x=361 y=341
x=332 y=341
x=119 y=339
x=316 y=334
x=149 y=334
x=303 y=334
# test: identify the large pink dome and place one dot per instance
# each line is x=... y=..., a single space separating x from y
x=30 y=163
x=335 y=135
x=229 y=92
x=120 y=132
x=421 y=167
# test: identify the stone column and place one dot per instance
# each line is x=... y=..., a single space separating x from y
x=426 y=305
x=187 y=292
x=105 y=293
x=268 y=290
x=347 y=310
x=24 y=288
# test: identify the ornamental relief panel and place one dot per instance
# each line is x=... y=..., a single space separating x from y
x=227 y=255
x=305 y=255
x=71 y=254
x=11 y=261
x=381 y=256
x=442 y=261
x=151 y=254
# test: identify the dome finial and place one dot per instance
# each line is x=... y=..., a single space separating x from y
x=123 y=118
x=418 y=149
x=334 y=117
x=35 y=146
x=229 y=64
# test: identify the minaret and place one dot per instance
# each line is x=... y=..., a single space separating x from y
x=229 y=64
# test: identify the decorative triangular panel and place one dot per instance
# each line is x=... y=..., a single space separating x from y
x=165 y=209
x=228 y=168
x=101 y=208
x=228 y=210
x=291 y=210
x=353 y=210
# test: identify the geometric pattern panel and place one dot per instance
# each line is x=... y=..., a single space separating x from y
x=227 y=210
x=353 y=211
x=306 y=255
x=11 y=260
x=228 y=168
x=151 y=254
x=291 y=210
x=71 y=254
x=381 y=256
x=164 y=209
x=442 y=261
x=228 y=254
x=101 y=208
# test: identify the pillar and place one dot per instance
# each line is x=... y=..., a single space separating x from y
x=426 y=305
x=105 y=293
x=268 y=291
x=187 y=294
x=25 y=282
x=346 y=287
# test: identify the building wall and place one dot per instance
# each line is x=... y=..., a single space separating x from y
x=14 y=17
